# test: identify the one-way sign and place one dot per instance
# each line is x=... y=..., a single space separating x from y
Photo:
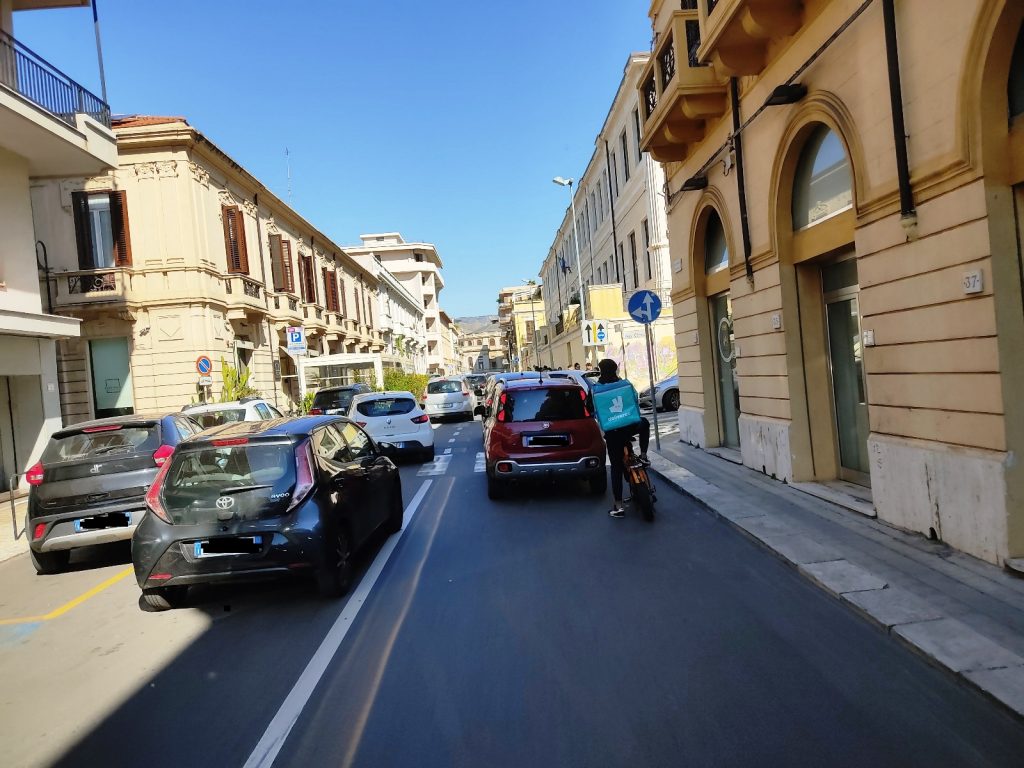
x=595 y=333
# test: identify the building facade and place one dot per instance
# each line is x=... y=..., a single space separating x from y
x=483 y=350
x=400 y=318
x=418 y=267
x=622 y=247
x=845 y=241
x=180 y=253
x=50 y=126
x=451 y=343
x=520 y=313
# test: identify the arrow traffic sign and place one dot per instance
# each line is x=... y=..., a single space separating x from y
x=602 y=335
x=644 y=307
x=595 y=333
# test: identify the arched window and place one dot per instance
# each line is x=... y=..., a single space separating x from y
x=716 y=250
x=823 y=185
x=1015 y=88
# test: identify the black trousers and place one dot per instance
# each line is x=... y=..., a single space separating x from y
x=616 y=440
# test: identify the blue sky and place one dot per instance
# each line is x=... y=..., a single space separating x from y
x=442 y=120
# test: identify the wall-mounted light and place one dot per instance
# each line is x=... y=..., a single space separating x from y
x=790 y=93
x=694 y=183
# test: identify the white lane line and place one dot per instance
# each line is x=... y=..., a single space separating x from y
x=481 y=463
x=277 y=732
x=452 y=440
x=447 y=451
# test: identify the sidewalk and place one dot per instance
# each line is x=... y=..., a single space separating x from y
x=962 y=614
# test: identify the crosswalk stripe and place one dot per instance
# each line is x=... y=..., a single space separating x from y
x=481 y=463
x=437 y=467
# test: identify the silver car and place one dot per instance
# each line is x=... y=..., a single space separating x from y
x=449 y=398
x=665 y=395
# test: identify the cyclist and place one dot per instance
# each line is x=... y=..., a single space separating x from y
x=616 y=439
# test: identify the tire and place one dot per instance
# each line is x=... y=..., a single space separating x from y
x=334 y=577
x=643 y=501
x=598 y=483
x=671 y=400
x=496 y=488
x=50 y=562
x=397 y=517
x=165 y=598
x=427 y=455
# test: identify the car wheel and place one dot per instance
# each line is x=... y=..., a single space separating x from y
x=671 y=400
x=335 y=575
x=165 y=598
x=428 y=454
x=50 y=562
x=397 y=517
x=598 y=483
x=495 y=488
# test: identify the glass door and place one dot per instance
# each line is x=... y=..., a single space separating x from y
x=846 y=364
x=725 y=367
x=111 y=378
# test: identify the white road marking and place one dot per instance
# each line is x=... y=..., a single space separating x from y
x=447 y=451
x=452 y=440
x=437 y=467
x=273 y=738
x=481 y=463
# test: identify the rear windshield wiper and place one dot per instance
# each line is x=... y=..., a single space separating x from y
x=109 y=449
x=241 y=488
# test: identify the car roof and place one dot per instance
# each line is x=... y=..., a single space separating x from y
x=342 y=387
x=538 y=383
x=363 y=397
x=136 y=418
x=203 y=407
x=296 y=427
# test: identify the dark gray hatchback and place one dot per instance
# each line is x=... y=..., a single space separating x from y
x=90 y=485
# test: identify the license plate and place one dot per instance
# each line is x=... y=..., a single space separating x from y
x=99 y=522
x=234 y=545
x=333 y=411
x=399 y=445
x=447 y=405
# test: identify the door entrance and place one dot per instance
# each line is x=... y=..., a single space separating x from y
x=725 y=367
x=846 y=368
x=111 y=378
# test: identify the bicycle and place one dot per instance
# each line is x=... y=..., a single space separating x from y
x=641 y=487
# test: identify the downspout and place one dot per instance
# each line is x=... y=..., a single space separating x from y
x=611 y=212
x=271 y=336
x=46 y=273
x=737 y=145
x=908 y=213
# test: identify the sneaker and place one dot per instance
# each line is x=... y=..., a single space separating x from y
x=617 y=511
x=644 y=460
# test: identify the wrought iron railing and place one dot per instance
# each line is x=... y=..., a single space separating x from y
x=250 y=288
x=650 y=96
x=37 y=80
x=692 y=42
x=92 y=283
x=293 y=304
x=667 y=60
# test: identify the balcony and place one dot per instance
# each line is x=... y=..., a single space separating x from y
x=285 y=310
x=96 y=289
x=736 y=33
x=679 y=95
x=244 y=297
x=57 y=125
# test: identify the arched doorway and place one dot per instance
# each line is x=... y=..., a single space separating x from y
x=716 y=288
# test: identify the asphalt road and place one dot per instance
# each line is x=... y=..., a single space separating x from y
x=536 y=631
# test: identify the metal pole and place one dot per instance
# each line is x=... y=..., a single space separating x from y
x=579 y=269
x=650 y=367
x=99 y=52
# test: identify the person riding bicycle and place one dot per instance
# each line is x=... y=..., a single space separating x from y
x=617 y=438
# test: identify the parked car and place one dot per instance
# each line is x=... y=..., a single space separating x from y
x=396 y=419
x=90 y=485
x=485 y=402
x=542 y=428
x=253 y=500
x=246 y=409
x=664 y=395
x=449 y=399
x=336 y=400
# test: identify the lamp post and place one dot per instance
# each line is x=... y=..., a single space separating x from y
x=534 y=288
x=576 y=243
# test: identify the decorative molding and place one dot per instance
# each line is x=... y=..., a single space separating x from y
x=249 y=207
x=272 y=227
x=199 y=173
x=226 y=198
x=163 y=169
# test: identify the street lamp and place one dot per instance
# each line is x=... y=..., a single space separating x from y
x=576 y=242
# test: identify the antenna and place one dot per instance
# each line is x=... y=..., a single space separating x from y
x=288 y=163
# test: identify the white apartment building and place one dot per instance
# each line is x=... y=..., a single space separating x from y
x=400 y=318
x=418 y=267
x=623 y=247
x=49 y=126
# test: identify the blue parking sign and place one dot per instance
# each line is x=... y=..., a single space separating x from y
x=296 y=338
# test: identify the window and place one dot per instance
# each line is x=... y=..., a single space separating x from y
x=101 y=229
x=554 y=404
x=624 y=143
x=593 y=207
x=307 y=279
x=344 y=300
x=822 y=186
x=330 y=289
x=263 y=411
x=386 y=406
x=613 y=176
x=600 y=198
x=418 y=257
x=234 y=239
x=632 y=252
x=647 y=248
x=619 y=262
x=359 y=445
x=636 y=136
x=281 y=264
x=716 y=249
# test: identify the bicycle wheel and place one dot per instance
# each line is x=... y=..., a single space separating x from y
x=643 y=500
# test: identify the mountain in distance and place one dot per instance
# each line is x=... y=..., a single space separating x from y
x=477 y=323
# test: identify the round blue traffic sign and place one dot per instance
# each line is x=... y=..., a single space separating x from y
x=204 y=364
x=644 y=307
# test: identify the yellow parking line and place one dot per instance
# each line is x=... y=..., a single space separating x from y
x=71 y=603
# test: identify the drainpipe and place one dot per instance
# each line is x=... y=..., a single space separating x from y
x=46 y=272
x=908 y=213
x=737 y=144
x=271 y=336
x=611 y=211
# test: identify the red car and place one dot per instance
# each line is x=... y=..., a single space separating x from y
x=542 y=428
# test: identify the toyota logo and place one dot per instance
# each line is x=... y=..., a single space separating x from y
x=225 y=502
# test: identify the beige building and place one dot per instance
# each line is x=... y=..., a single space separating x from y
x=451 y=342
x=483 y=349
x=50 y=126
x=418 y=267
x=845 y=240
x=520 y=312
x=622 y=245
x=400 y=318
x=180 y=253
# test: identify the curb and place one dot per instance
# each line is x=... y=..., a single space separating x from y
x=973 y=660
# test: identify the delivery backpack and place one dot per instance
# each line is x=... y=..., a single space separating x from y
x=615 y=405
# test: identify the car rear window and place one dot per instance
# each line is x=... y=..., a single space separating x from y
x=209 y=419
x=336 y=398
x=444 y=387
x=104 y=441
x=259 y=476
x=386 y=406
x=546 y=404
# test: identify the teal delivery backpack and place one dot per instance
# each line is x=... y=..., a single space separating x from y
x=615 y=405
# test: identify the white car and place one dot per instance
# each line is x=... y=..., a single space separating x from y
x=395 y=419
x=246 y=409
x=449 y=398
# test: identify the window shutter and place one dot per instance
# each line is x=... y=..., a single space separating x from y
x=119 y=227
x=327 y=288
x=234 y=239
x=83 y=230
x=303 y=283
x=276 y=263
x=286 y=261
x=344 y=299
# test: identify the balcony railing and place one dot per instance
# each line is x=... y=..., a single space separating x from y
x=28 y=73
x=101 y=286
x=91 y=282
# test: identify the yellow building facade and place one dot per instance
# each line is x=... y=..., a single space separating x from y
x=847 y=301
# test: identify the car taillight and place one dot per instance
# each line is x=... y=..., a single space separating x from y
x=153 y=501
x=111 y=428
x=501 y=407
x=316 y=411
x=163 y=453
x=421 y=419
x=583 y=397
x=230 y=442
x=38 y=531
x=35 y=474
x=303 y=475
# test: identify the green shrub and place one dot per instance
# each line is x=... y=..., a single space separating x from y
x=235 y=385
x=396 y=379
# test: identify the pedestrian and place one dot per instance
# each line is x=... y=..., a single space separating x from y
x=617 y=438
x=576 y=367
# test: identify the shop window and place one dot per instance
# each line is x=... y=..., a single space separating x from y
x=823 y=186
